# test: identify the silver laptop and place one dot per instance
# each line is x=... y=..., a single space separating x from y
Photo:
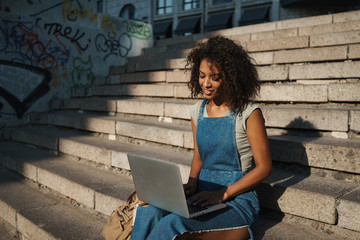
x=159 y=183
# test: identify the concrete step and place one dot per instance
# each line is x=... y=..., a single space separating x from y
x=285 y=191
x=39 y=216
x=305 y=55
x=330 y=23
x=272 y=73
x=94 y=188
x=102 y=151
x=326 y=92
x=317 y=40
x=33 y=215
x=272 y=225
x=330 y=118
x=324 y=200
x=178 y=76
x=8 y=232
x=327 y=157
x=319 y=153
x=154 y=90
x=328 y=31
x=289 y=50
x=170 y=108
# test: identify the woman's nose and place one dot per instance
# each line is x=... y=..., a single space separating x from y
x=207 y=82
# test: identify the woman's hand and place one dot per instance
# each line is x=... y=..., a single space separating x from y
x=208 y=198
x=191 y=186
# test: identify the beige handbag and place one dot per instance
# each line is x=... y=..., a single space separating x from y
x=120 y=224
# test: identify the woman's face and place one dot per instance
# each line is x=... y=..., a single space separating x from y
x=209 y=80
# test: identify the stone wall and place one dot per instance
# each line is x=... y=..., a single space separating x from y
x=48 y=47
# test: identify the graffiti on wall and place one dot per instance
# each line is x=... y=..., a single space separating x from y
x=21 y=85
x=68 y=40
x=72 y=12
x=111 y=46
x=74 y=36
x=137 y=29
x=21 y=42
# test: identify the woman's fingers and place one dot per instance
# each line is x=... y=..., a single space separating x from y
x=206 y=198
x=201 y=198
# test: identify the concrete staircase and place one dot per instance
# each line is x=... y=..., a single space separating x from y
x=63 y=174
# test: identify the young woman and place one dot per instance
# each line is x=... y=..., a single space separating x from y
x=231 y=151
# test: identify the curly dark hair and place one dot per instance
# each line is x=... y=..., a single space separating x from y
x=240 y=83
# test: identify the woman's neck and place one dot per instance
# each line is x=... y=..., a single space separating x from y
x=215 y=109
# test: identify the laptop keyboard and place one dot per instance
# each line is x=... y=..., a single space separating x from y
x=194 y=209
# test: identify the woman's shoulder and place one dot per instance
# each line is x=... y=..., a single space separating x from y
x=194 y=110
x=249 y=109
x=245 y=114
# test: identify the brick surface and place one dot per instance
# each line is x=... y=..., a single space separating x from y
x=150 y=64
x=177 y=76
x=273 y=73
x=151 y=133
x=85 y=151
x=346 y=16
x=339 y=38
x=311 y=55
x=98 y=124
x=278 y=44
x=35 y=138
x=321 y=152
x=177 y=63
x=157 y=76
x=93 y=104
x=292 y=32
x=104 y=203
x=242 y=38
x=27 y=170
x=262 y=58
x=154 y=90
x=304 y=22
x=254 y=28
x=188 y=139
x=355 y=120
x=348 y=210
x=15 y=164
x=149 y=90
x=59 y=221
x=329 y=28
x=306 y=118
x=325 y=70
x=177 y=110
x=182 y=91
x=305 y=196
x=29 y=229
x=119 y=159
x=152 y=108
x=344 y=92
x=8 y=213
x=354 y=51
x=67 y=187
x=293 y=93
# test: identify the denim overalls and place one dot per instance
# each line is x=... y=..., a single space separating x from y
x=220 y=167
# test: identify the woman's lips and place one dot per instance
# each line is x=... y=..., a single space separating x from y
x=207 y=92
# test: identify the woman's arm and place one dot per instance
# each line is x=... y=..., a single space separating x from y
x=257 y=138
x=191 y=186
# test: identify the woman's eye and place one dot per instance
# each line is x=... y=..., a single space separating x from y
x=202 y=76
x=216 y=78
